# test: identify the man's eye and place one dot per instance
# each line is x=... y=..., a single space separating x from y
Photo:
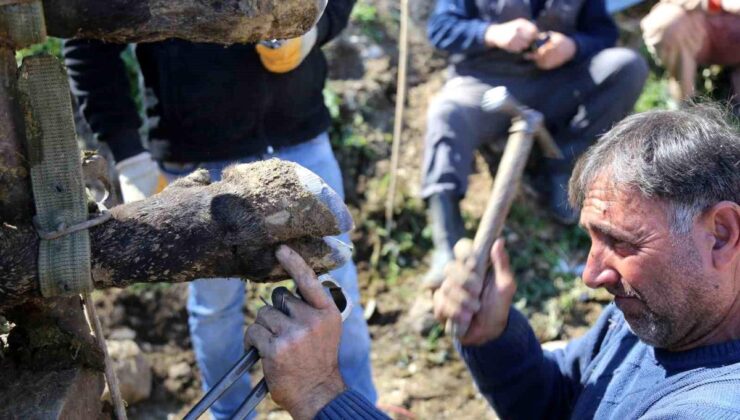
x=623 y=248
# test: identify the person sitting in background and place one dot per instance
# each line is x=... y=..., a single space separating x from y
x=660 y=198
x=682 y=34
x=556 y=57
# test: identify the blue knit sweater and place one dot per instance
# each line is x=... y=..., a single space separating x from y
x=606 y=374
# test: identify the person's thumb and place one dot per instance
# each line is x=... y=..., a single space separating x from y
x=496 y=297
x=463 y=249
x=504 y=278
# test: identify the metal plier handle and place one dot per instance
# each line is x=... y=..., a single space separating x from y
x=258 y=393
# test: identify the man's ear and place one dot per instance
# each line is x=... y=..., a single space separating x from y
x=723 y=224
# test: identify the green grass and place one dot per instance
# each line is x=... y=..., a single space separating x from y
x=366 y=17
x=364 y=14
x=52 y=46
x=654 y=94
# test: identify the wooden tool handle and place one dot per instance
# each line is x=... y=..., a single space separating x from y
x=504 y=190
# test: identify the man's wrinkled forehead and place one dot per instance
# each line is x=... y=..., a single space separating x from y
x=607 y=201
x=603 y=193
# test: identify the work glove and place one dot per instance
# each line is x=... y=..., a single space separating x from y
x=674 y=36
x=669 y=25
x=729 y=6
x=140 y=177
x=282 y=56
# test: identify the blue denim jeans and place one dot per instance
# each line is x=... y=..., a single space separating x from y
x=215 y=305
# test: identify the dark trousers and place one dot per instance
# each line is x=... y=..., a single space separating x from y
x=579 y=102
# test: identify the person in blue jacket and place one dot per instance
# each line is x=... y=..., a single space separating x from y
x=557 y=57
x=659 y=195
x=210 y=106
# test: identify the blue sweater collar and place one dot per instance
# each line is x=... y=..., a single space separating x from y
x=719 y=354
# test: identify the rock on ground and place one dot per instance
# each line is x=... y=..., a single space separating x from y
x=133 y=371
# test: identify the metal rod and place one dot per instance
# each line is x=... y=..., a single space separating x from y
x=255 y=397
x=240 y=368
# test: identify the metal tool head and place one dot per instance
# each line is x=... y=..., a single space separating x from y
x=498 y=99
x=547 y=144
x=340 y=297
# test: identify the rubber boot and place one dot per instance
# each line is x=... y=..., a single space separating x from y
x=447 y=229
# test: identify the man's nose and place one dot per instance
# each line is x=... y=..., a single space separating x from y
x=604 y=278
x=598 y=272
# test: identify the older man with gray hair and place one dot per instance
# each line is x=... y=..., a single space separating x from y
x=659 y=196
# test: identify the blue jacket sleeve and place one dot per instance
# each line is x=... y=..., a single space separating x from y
x=334 y=20
x=456 y=27
x=350 y=405
x=596 y=30
x=521 y=381
x=99 y=82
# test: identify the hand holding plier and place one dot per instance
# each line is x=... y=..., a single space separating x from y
x=306 y=331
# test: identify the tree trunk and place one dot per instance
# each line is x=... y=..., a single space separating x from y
x=219 y=21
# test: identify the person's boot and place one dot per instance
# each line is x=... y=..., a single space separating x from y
x=447 y=229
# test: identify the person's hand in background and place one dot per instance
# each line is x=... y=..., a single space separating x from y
x=557 y=50
x=513 y=36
